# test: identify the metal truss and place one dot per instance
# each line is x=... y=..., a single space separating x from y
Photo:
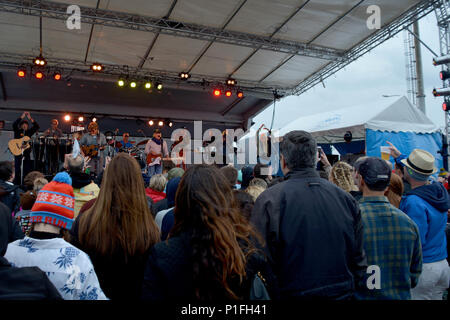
x=111 y=73
x=116 y=19
x=415 y=13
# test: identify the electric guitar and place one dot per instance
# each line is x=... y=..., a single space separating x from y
x=153 y=157
x=91 y=151
x=17 y=146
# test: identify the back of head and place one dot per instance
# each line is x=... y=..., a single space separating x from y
x=230 y=174
x=175 y=172
x=258 y=182
x=258 y=170
x=395 y=191
x=299 y=150
x=158 y=182
x=29 y=179
x=76 y=164
x=120 y=218
x=6 y=170
x=341 y=175
x=39 y=183
x=171 y=191
x=245 y=202
x=247 y=176
x=205 y=204
x=376 y=173
x=254 y=191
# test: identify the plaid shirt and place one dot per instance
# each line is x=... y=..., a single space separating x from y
x=392 y=242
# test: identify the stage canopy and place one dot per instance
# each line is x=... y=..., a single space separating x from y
x=267 y=46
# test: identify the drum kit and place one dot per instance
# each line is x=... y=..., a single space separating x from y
x=114 y=147
x=48 y=152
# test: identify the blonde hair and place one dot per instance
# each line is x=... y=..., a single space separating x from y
x=254 y=191
x=158 y=182
x=341 y=175
x=38 y=184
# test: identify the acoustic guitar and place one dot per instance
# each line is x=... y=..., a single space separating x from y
x=17 y=146
x=91 y=151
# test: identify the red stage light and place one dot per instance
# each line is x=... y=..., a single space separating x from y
x=240 y=94
x=217 y=92
x=21 y=73
x=57 y=76
x=228 y=93
x=446 y=106
x=39 y=75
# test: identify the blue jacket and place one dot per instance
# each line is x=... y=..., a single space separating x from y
x=427 y=206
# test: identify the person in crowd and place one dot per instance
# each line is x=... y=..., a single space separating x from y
x=156 y=188
x=118 y=230
x=39 y=183
x=277 y=180
x=28 y=283
x=92 y=146
x=84 y=188
x=428 y=204
x=68 y=268
x=22 y=129
x=263 y=171
x=9 y=192
x=357 y=194
x=245 y=201
x=231 y=174
x=155 y=151
x=254 y=191
x=323 y=174
x=28 y=181
x=210 y=254
x=443 y=178
x=171 y=188
x=167 y=166
x=391 y=238
x=399 y=167
x=165 y=218
x=395 y=191
x=341 y=175
x=321 y=227
x=175 y=173
x=259 y=183
x=247 y=176
x=326 y=166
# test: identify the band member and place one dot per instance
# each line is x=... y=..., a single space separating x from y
x=52 y=136
x=125 y=143
x=21 y=129
x=182 y=163
x=92 y=146
x=155 y=149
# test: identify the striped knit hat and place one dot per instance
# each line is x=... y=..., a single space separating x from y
x=55 y=203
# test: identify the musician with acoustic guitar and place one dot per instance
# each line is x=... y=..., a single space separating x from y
x=92 y=146
x=155 y=150
x=22 y=134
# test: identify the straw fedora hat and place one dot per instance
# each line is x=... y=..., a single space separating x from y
x=420 y=161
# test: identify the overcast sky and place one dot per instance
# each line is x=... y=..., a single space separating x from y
x=380 y=72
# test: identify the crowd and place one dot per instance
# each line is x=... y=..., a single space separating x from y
x=365 y=230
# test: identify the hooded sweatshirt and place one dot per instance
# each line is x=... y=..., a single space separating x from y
x=427 y=206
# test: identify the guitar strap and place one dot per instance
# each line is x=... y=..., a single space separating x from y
x=162 y=150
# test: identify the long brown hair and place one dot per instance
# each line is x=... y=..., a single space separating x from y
x=395 y=191
x=120 y=219
x=221 y=238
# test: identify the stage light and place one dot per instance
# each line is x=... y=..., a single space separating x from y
x=441 y=92
x=94 y=119
x=240 y=94
x=228 y=93
x=57 y=76
x=121 y=82
x=159 y=86
x=446 y=105
x=184 y=75
x=39 y=75
x=444 y=75
x=67 y=117
x=97 y=67
x=217 y=92
x=169 y=123
x=21 y=73
x=231 y=82
x=160 y=123
x=151 y=122
x=148 y=85
x=40 y=61
x=80 y=118
x=133 y=84
x=441 y=60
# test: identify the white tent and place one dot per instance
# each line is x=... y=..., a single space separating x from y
x=388 y=114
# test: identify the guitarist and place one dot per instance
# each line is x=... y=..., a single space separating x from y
x=92 y=145
x=156 y=149
x=21 y=129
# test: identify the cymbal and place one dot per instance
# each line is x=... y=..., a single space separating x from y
x=142 y=142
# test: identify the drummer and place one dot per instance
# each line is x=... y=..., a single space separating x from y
x=125 y=144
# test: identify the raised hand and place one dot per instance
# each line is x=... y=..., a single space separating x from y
x=393 y=150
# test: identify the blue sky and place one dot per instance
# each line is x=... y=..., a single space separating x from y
x=380 y=72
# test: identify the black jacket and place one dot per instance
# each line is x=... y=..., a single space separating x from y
x=10 y=196
x=29 y=283
x=314 y=237
x=9 y=229
x=168 y=274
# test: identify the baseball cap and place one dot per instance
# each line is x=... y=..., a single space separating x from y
x=375 y=172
